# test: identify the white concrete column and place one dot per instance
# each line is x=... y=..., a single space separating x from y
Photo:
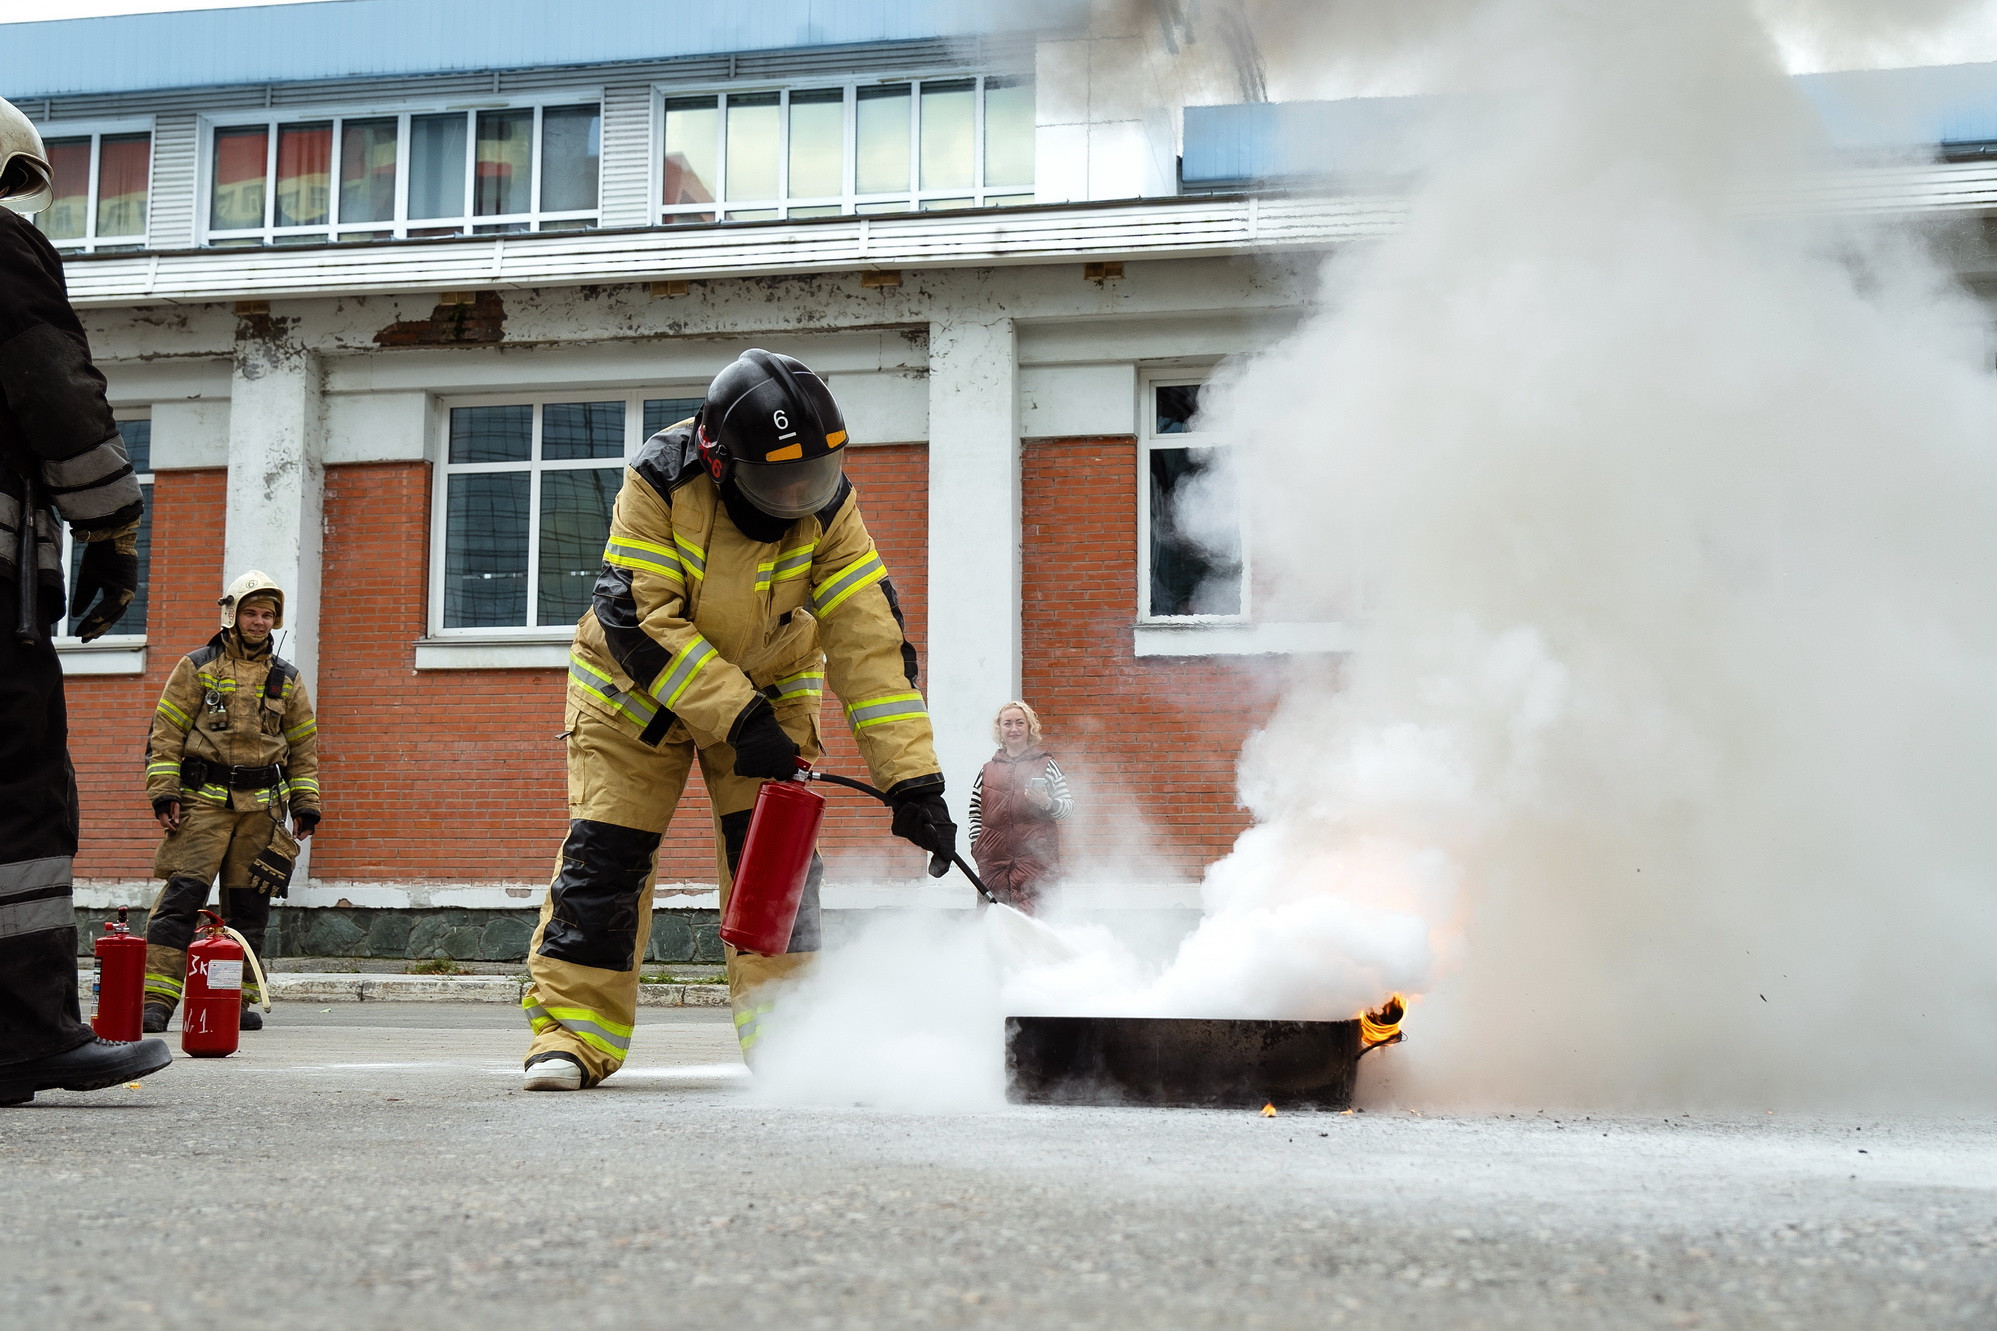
x=276 y=431
x=974 y=525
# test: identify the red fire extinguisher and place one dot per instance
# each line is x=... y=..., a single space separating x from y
x=211 y=1018
x=776 y=858
x=120 y=987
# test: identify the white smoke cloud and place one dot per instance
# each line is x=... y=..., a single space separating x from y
x=1665 y=769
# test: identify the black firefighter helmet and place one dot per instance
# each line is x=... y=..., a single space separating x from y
x=771 y=425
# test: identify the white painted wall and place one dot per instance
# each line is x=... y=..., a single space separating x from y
x=883 y=406
x=1065 y=400
x=188 y=435
x=376 y=427
x=276 y=434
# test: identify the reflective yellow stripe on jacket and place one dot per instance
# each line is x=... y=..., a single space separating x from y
x=792 y=563
x=879 y=711
x=635 y=706
x=835 y=590
x=689 y=661
x=644 y=557
x=181 y=720
x=692 y=557
x=805 y=683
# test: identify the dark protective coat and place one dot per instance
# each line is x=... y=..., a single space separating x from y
x=56 y=430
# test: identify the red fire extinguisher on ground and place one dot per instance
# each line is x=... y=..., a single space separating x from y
x=211 y=1015
x=120 y=983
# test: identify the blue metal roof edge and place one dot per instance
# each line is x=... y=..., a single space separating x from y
x=380 y=38
x=1869 y=109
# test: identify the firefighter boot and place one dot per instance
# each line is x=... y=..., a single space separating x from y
x=91 y=1066
x=554 y=1072
x=166 y=972
x=251 y=1019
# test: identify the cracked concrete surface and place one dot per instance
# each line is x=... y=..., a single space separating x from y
x=373 y=1164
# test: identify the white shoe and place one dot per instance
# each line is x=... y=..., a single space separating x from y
x=556 y=1072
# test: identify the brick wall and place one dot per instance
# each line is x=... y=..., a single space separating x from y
x=109 y=714
x=1149 y=743
x=459 y=774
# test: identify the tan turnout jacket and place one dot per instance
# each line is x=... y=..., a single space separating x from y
x=692 y=619
x=264 y=717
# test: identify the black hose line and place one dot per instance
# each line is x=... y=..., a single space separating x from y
x=882 y=796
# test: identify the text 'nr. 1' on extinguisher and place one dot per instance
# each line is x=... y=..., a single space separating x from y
x=121 y=981
x=211 y=1014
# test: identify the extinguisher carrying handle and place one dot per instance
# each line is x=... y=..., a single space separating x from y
x=882 y=796
x=256 y=967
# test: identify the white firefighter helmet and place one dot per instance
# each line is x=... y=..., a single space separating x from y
x=26 y=179
x=251 y=584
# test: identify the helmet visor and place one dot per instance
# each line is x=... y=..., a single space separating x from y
x=789 y=489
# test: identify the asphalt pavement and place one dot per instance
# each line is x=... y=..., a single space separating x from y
x=375 y=1164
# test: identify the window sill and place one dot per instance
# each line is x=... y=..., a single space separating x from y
x=492 y=653
x=1209 y=639
x=102 y=658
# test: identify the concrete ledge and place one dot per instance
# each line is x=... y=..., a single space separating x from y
x=450 y=989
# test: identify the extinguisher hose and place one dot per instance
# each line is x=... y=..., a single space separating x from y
x=256 y=967
x=882 y=796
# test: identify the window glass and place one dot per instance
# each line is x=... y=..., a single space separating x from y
x=1195 y=534
x=882 y=156
x=692 y=131
x=304 y=174
x=582 y=430
x=367 y=170
x=241 y=153
x=571 y=152
x=437 y=166
x=817 y=143
x=948 y=134
x=1008 y=133
x=1177 y=405
x=138 y=446
x=485 y=542
x=752 y=146
x=663 y=411
x=575 y=523
x=492 y=434
x=124 y=170
x=503 y=176
x=69 y=210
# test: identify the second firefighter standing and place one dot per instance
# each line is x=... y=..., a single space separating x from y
x=234 y=748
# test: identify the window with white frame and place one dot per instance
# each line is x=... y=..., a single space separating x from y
x=101 y=184
x=1190 y=550
x=130 y=630
x=523 y=505
x=296 y=180
x=828 y=149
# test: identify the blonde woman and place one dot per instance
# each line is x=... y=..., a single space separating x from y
x=1017 y=803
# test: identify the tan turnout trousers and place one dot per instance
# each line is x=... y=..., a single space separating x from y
x=211 y=839
x=615 y=779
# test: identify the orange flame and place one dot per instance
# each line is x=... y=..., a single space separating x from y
x=1269 y=1111
x=1383 y=1024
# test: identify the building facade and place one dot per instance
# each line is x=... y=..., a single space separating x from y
x=386 y=292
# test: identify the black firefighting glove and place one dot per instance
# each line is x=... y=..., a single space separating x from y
x=108 y=574
x=167 y=809
x=921 y=817
x=304 y=822
x=762 y=749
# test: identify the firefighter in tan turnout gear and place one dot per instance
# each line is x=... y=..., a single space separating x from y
x=234 y=747
x=738 y=580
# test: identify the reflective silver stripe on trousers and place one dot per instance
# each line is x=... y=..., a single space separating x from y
x=32 y=917
x=24 y=876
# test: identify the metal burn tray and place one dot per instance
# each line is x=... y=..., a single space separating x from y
x=1189 y=1062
